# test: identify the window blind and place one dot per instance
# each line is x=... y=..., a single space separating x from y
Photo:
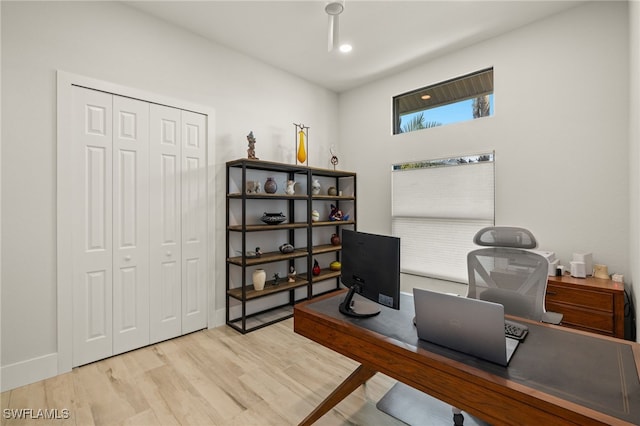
x=437 y=208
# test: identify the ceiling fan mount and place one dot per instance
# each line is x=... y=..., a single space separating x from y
x=333 y=10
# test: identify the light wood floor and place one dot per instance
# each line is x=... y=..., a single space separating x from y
x=213 y=377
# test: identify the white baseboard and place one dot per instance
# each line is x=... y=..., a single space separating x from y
x=29 y=371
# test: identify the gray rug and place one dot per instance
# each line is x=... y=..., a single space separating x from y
x=416 y=408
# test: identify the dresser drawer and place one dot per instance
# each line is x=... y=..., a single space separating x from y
x=583 y=298
x=585 y=319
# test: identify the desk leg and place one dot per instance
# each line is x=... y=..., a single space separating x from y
x=351 y=383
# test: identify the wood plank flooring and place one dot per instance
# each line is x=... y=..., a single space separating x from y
x=212 y=377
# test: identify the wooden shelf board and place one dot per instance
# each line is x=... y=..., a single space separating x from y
x=254 y=228
x=274 y=256
x=334 y=197
x=269 y=289
x=326 y=248
x=325 y=274
x=334 y=223
x=262 y=319
x=264 y=195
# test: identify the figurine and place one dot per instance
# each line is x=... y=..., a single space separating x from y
x=316 y=268
x=292 y=274
x=251 y=152
x=291 y=187
x=276 y=278
x=336 y=214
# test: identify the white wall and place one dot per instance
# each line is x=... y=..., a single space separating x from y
x=112 y=42
x=560 y=131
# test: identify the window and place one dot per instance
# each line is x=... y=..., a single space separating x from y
x=437 y=208
x=460 y=99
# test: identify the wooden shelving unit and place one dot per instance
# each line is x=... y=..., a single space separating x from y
x=248 y=309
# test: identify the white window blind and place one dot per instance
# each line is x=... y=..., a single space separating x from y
x=437 y=208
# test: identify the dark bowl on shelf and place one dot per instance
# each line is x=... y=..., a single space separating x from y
x=273 y=218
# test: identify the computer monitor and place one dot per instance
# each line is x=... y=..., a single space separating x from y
x=371 y=268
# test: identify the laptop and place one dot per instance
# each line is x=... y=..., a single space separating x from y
x=472 y=326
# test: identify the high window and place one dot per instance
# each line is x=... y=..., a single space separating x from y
x=459 y=99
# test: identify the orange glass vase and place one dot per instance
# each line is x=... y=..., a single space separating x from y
x=302 y=152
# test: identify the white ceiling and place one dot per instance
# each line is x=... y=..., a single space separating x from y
x=387 y=36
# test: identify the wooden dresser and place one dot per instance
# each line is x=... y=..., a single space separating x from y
x=590 y=304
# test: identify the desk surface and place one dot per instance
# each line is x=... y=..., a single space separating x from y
x=555 y=373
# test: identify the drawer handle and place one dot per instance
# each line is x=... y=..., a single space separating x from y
x=551 y=293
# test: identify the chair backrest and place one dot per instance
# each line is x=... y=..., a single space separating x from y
x=506 y=272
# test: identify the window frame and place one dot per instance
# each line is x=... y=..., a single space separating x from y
x=457 y=83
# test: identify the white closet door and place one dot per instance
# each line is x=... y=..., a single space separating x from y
x=194 y=222
x=92 y=236
x=130 y=224
x=165 y=223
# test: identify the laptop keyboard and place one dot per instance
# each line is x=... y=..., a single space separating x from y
x=515 y=330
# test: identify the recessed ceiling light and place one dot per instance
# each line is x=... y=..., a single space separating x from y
x=346 y=48
x=425 y=97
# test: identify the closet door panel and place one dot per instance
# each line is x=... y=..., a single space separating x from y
x=194 y=222
x=130 y=224
x=92 y=238
x=165 y=194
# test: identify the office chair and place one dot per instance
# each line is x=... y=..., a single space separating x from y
x=505 y=271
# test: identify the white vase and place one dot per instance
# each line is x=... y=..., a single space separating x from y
x=315 y=187
x=259 y=278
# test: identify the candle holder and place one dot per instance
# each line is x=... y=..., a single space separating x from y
x=301 y=134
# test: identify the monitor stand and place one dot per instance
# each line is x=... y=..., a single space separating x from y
x=358 y=308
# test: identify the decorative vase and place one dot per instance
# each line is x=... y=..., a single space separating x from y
x=273 y=218
x=315 y=187
x=316 y=268
x=286 y=248
x=302 y=152
x=291 y=187
x=315 y=216
x=270 y=186
x=259 y=278
x=332 y=191
x=335 y=240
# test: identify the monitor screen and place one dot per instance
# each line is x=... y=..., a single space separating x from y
x=371 y=268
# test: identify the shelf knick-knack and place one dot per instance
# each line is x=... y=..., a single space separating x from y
x=270 y=186
x=302 y=152
x=302 y=133
x=259 y=278
x=291 y=187
x=316 y=268
x=315 y=187
x=251 y=152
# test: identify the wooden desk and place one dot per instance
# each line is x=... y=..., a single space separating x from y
x=557 y=375
x=589 y=304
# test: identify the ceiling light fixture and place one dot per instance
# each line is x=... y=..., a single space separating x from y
x=346 y=48
x=333 y=10
x=425 y=97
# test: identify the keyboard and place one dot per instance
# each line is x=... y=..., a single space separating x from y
x=515 y=330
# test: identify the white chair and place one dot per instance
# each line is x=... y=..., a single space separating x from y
x=506 y=271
